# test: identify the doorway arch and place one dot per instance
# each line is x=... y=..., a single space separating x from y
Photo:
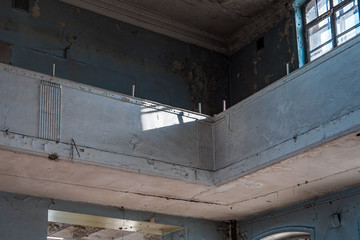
x=288 y=233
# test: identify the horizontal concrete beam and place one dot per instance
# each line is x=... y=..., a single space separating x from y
x=43 y=115
x=280 y=146
x=48 y=115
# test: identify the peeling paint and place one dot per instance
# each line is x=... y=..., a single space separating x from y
x=62 y=24
x=285 y=33
x=76 y=10
x=106 y=54
x=133 y=141
x=267 y=78
x=36 y=9
x=265 y=65
x=203 y=79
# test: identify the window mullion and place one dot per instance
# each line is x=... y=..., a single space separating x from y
x=318 y=19
x=307 y=44
x=358 y=10
x=333 y=25
x=347 y=31
x=341 y=5
x=322 y=45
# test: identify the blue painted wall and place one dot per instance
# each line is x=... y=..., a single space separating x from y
x=311 y=215
x=251 y=70
x=25 y=217
x=102 y=52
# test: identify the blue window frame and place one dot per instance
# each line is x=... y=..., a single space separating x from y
x=323 y=25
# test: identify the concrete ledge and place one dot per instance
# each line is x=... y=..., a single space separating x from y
x=68 y=152
x=332 y=130
x=311 y=106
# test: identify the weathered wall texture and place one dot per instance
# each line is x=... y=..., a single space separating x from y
x=103 y=52
x=137 y=133
x=25 y=217
x=252 y=69
x=289 y=110
x=312 y=216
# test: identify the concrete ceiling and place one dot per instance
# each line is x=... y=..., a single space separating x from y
x=328 y=168
x=221 y=17
x=221 y=25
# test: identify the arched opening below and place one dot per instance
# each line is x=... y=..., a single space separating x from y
x=288 y=236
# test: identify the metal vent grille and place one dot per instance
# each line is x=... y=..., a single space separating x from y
x=50 y=110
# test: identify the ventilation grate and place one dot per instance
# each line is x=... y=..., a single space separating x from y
x=50 y=110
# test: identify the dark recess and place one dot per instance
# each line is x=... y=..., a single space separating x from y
x=5 y=52
x=260 y=44
x=21 y=5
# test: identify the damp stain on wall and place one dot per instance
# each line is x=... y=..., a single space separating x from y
x=203 y=79
x=287 y=34
x=263 y=61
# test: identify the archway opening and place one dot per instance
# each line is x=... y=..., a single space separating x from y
x=288 y=236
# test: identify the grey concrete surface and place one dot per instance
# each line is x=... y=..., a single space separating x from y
x=26 y=217
x=287 y=117
x=295 y=113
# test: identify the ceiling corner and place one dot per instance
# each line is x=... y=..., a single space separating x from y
x=138 y=16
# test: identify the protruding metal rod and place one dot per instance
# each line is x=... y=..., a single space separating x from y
x=224 y=105
x=53 y=70
x=133 y=91
x=199 y=107
x=287 y=69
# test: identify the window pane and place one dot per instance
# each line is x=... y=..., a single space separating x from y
x=323 y=6
x=311 y=11
x=319 y=34
x=321 y=51
x=336 y=2
x=346 y=17
x=348 y=35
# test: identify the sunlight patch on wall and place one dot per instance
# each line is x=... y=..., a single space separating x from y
x=155 y=119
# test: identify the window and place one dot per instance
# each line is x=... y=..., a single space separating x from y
x=329 y=23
